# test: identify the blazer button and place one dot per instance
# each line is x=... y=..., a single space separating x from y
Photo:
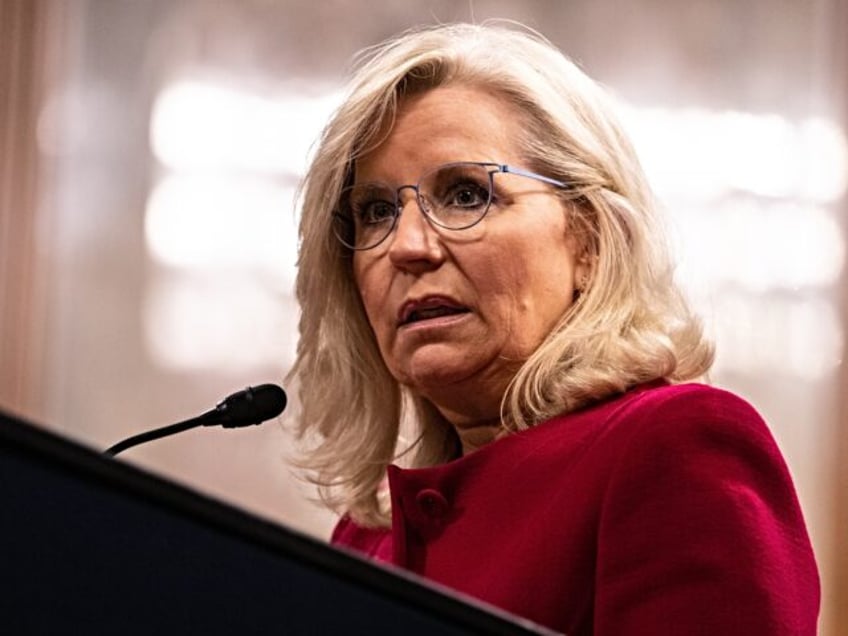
x=432 y=503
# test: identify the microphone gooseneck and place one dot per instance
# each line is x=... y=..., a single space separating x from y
x=253 y=405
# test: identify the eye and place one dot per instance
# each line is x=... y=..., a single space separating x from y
x=374 y=211
x=370 y=204
x=465 y=194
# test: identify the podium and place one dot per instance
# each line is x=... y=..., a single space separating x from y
x=90 y=545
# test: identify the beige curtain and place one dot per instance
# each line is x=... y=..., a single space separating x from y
x=23 y=73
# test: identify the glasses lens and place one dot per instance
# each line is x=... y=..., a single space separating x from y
x=457 y=195
x=454 y=196
x=368 y=215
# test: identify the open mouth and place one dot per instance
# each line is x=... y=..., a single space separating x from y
x=429 y=309
x=432 y=312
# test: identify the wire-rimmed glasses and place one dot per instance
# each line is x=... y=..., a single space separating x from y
x=455 y=196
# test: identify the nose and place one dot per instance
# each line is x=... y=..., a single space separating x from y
x=414 y=242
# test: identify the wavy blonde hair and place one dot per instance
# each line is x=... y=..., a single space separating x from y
x=629 y=325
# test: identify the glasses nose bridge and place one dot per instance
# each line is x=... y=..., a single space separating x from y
x=422 y=202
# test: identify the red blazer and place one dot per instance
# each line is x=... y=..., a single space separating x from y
x=668 y=510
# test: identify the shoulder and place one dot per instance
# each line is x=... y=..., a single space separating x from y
x=657 y=414
x=698 y=496
x=639 y=425
x=689 y=457
x=692 y=429
x=689 y=401
x=677 y=413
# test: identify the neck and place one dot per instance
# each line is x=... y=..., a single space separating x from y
x=474 y=437
x=474 y=430
x=472 y=411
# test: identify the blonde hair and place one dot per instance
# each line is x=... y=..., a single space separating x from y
x=629 y=325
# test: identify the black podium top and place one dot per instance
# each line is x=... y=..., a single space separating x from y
x=96 y=546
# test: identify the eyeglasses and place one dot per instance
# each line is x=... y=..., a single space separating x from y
x=455 y=196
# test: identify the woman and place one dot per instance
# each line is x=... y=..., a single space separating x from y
x=485 y=296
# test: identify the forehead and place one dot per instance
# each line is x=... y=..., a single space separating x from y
x=443 y=125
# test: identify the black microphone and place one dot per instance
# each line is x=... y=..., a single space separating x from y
x=254 y=405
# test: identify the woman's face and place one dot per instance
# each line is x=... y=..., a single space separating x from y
x=455 y=313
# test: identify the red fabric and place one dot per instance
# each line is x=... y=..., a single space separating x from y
x=668 y=510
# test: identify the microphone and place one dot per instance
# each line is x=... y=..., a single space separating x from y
x=254 y=405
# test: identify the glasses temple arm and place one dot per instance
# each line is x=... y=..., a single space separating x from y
x=533 y=175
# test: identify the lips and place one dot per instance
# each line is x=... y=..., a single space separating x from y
x=428 y=308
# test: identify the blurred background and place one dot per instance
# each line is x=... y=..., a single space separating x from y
x=150 y=152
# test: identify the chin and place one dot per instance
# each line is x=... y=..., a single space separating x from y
x=424 y=381
x=445 y=383
x=427 y=379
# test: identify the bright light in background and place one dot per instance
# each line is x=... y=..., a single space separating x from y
x=760 y=246
x=694 y=153
x=777 y=336
x=199 y=126
x=206 y=222
x=222 y=221
x=230 y=321
x=748 y=193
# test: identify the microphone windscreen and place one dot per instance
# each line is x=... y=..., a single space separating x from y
x=254 y=405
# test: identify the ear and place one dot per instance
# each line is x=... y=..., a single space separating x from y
x=578 y=238
x=581 y=245
x=584 y=268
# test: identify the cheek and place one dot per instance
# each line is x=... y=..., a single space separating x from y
x=372 y=294
x=529 y=289
x=362 y=281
